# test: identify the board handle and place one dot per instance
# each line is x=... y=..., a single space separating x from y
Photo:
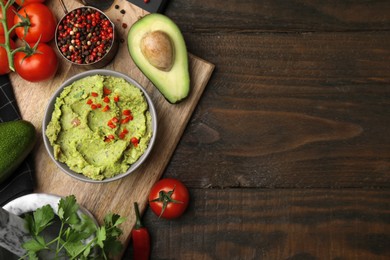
x=99 y=4
x=63 y=6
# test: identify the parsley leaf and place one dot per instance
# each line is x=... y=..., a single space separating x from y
x=115 y=247
x=101 y=236
x=74 y=248
x=39 y=220
x=67 y=210
x=85 y=228
x=35 y=245
x=79 y=237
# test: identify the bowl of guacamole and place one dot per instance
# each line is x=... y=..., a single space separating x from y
x=99 y=126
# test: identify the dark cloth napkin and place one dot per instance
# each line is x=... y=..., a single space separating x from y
x=21 y=182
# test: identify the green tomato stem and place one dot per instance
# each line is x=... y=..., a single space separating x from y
x=7 y=33
x=17 y=50
x=20 y=24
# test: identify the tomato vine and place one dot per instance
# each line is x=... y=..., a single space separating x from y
x=7 y=33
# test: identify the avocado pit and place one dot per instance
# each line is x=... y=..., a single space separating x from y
x=157 y=48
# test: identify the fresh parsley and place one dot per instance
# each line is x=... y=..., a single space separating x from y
x=78 y=237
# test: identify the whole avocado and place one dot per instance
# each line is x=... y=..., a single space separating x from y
x=157 y=47
x=17 y=140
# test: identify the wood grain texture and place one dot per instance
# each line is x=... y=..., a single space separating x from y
x=291 y=110
x=287 y=154
x=118 y=196
x=272 y=224
x=279 y=16
x=289 y=146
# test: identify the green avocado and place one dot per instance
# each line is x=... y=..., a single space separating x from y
x=17 y=140
x=157 y=47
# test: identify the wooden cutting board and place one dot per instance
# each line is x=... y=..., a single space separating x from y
x=117 y=196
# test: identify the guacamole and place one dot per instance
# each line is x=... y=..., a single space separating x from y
x=100 y=126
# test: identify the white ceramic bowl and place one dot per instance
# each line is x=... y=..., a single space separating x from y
x=30 y=203
x=48 y=116
x=33 y=201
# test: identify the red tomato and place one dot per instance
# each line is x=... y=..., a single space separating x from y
x=39 y=66
x=169 y=198
x=10 y=19
x=26 y=2
x=4 y=65
x=43 y=23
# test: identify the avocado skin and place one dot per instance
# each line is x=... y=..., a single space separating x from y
x=17 y=140
x=174 y=85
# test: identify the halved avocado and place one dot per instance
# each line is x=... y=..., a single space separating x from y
x=17 y=141
x=157 y=47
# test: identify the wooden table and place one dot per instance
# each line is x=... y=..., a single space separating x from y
x=287 y=155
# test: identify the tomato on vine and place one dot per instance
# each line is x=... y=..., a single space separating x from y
x=4 y=66
x=169 y=198
x=38 y=23
x=10 y=14
x=36 y=63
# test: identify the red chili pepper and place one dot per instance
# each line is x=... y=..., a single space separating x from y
x=106 y=99
x=106 y=91
x=126 y=112
x=116 y=98
x=89 y=101
x=134 y=141
x=122 y=135
x=126 y=119
x=106 y=108
x=141 y=238
x=94 y=94
x=111 y=124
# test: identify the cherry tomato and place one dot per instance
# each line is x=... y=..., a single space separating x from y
x=4 y=66
x=10 y=19
x=26 y=2
x=43 y=23
x=40 y=65
x=169 y=198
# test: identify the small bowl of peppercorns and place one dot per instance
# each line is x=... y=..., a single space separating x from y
x=86 y=37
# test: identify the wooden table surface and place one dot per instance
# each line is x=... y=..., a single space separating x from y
x=287 y=155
